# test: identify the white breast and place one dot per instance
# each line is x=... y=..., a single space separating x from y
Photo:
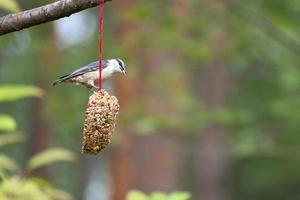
x=107 y=72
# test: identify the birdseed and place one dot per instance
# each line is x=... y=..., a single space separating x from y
x=100 y=121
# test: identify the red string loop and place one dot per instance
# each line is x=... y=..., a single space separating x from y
x=100 y=42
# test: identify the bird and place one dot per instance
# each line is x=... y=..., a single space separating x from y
x=88 y=75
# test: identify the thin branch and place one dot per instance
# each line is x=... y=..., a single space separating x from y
x=43 y=14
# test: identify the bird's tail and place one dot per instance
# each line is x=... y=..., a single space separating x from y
x=60 y=80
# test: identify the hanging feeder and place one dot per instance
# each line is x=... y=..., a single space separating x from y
x=100 y=121
x=102 y=109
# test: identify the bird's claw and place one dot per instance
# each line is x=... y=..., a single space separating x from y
x=94 y=88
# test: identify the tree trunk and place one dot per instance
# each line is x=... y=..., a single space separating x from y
x=40 y=138
x=212 y=146
x=148 y=163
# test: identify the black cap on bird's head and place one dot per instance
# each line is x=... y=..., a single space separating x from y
x=121 y=66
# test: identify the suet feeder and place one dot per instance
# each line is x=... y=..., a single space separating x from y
x=100 y=121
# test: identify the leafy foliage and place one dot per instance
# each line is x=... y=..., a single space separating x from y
x=50 y=156
x=17 y=186
x=14 y=92
x=257 y=40
x=9 y=5
x=7 y=163
x=11 y=138
x=138 y=195
x=30 y=189
x=7 y=123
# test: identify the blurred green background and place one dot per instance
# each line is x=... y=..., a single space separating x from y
x=210 y=105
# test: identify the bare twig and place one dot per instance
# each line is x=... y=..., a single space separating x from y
x=43 y=14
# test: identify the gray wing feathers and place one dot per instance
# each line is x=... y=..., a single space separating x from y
x=87 y=68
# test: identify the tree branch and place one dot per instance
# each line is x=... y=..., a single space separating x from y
x=43 y=14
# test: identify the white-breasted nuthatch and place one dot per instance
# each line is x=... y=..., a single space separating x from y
x=88 y=75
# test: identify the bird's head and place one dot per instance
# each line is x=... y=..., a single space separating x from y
x=119 y=66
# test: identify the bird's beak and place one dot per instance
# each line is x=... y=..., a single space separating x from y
x=124 y=72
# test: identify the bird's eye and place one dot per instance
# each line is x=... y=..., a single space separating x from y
x=120 y=64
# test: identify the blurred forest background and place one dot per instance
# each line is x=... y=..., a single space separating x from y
x=210 y=105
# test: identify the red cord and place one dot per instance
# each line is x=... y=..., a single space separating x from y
x=100 y=42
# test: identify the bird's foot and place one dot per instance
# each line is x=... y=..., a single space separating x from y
x=94 y=88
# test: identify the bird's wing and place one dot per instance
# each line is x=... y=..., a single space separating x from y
x=88 y=68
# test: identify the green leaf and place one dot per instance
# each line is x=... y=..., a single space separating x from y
x=22 y=189
x=158 y=196
x=14 y=92
x=10 y=5
x=61 y=195
x=50 y=156
x=136 y=195
x=179 y=196
x=7 y=123
x=11 y=138
x=8 y=164
x=49 y=190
